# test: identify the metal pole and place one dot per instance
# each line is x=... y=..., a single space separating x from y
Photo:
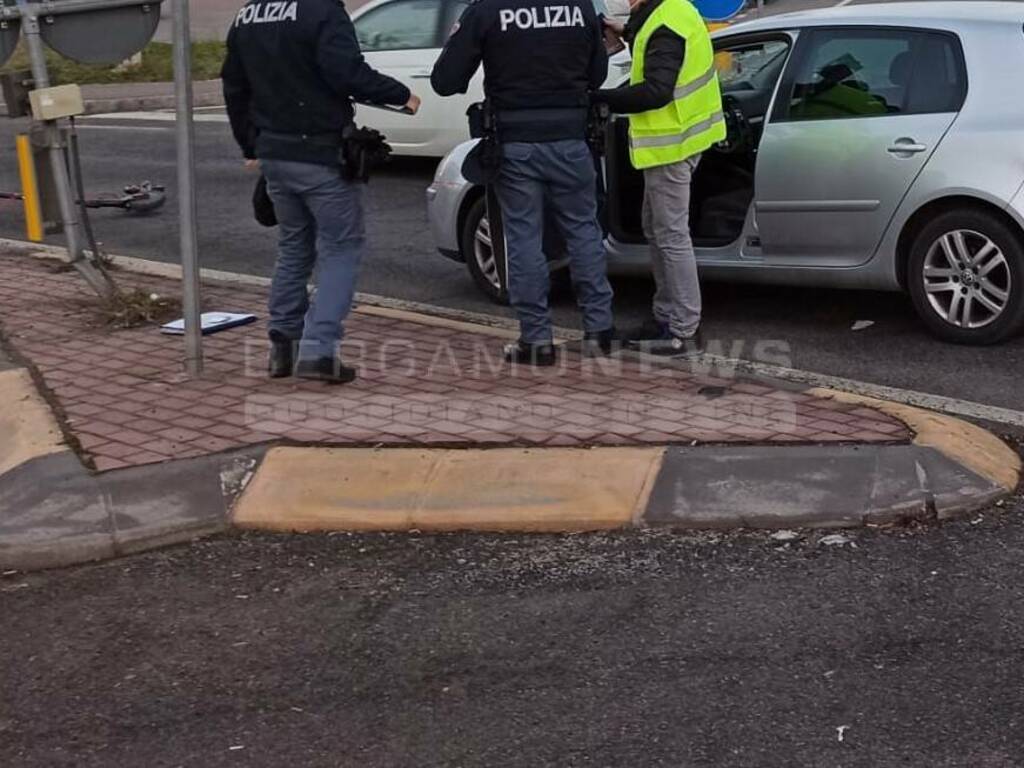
x=95 y=276
x=187 y=188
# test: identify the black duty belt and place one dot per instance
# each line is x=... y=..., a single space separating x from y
x=526 y=116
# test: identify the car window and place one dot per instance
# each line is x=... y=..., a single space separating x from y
x=939 y=81
x=400 y=26
x=847 y=74
x=751 y=67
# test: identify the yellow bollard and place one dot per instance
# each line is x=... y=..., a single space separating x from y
x=30 y=189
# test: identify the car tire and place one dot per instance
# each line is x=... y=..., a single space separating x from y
x=966 y=277
x=480 y=261
x=476 y=250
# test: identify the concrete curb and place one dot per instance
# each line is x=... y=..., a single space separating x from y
x=568 y=490
x=146 y=103
x=369 y=304
x=961 y=441
x=142 y=97
x=54 y=512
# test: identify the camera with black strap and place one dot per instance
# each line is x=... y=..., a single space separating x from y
x=363 y=150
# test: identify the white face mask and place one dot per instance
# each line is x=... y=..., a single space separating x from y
x=618 y=9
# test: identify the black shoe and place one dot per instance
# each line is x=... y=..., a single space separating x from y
x=674 y=346
x=602 y=342
x=282 y=356
x=538 y=355
x=651 y=330
x=328 y=369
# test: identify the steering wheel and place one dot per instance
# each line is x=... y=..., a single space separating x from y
x=739 y=133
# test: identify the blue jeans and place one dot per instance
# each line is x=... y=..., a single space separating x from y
x=559 y=174
x=320 y=217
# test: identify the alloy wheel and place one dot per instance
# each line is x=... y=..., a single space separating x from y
x=483 y=251
x=967 y=279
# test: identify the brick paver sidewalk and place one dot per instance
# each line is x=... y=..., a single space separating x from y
x=123 y=396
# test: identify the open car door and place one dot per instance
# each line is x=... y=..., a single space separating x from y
x=750 y=67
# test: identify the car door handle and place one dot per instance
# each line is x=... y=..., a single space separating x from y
x=423 y=75
x=907 y=147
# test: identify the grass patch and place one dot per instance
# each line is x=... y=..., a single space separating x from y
x=157 y=66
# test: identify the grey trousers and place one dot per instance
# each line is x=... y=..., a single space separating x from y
x=560 y=175
x=320 y=218
x=666 y=223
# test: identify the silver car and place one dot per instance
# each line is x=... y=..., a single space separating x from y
x=874 y=147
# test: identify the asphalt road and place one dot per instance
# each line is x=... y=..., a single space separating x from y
x=630 y=649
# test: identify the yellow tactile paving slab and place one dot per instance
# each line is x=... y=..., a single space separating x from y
x=28 y=428
x=316 y=489
x=973 y=447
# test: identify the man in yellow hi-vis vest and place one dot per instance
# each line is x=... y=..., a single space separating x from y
x=675 y=114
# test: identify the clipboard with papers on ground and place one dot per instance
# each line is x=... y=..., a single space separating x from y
x=211 y=322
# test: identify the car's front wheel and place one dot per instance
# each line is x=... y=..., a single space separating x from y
x=478 y=251
x=966 y=277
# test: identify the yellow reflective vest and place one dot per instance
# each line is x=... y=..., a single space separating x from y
x=693 y=121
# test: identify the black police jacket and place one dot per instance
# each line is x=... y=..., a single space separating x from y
x=540 y=59
x=292 y=72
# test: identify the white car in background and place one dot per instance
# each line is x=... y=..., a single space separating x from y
x=403 y=39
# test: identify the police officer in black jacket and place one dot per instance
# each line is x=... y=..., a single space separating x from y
x=292 y=72
x=541 y=58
